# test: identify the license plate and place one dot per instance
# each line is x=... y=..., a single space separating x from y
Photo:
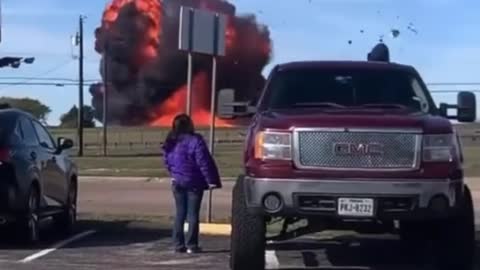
x=355 y=207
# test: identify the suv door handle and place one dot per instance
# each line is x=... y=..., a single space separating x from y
x=33 y=156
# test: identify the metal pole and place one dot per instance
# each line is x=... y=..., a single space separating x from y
x=80 y=89
x=105 y=100
x=211 y=138
x=1 y=21
x=189 y=85
x=213 y=94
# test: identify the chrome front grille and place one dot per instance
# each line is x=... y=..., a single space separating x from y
x=365 y=149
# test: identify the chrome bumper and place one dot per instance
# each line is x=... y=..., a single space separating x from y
x=419 y=192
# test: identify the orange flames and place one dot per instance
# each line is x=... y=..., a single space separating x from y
x=201 y=89
x=151 y=9
x=147 y=50
x=166 y=111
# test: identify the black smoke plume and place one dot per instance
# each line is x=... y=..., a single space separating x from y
x=136 y=87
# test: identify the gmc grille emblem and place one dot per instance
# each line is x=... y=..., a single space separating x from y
x=358 y=149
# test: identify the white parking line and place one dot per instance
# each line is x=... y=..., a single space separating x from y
x=57 y=246
x=271 y=260
x=190 y=261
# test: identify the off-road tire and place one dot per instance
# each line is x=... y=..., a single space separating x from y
x=248 y=239
x=65 y=222
x=454 y=246
x=414 y=232
x=416 y=240
x=28 y=226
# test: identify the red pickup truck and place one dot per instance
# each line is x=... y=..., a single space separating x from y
x=353 y=145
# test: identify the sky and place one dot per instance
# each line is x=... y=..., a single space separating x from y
x=446 y=47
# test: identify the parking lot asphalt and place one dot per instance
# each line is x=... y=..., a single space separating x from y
x=122 y=244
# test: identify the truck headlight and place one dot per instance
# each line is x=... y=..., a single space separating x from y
x=439 y=148
x=273 y=145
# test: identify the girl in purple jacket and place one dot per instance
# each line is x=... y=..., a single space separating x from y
x=193 y=170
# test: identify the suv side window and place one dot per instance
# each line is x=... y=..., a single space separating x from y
x=43 y=136
x=16 y=137
x=28 y=133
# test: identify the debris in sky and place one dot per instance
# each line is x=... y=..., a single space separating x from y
x=395 y=33
x=350 y=42
x=361 y=31
x=412 y=29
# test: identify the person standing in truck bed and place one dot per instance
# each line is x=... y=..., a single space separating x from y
x=193 y=170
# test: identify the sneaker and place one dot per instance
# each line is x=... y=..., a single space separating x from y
x=180 y=250
x=194 y=250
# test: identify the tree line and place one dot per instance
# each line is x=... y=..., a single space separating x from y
x=40 y=111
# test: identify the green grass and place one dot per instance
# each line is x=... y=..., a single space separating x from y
x=472 y=161
x=230 y=165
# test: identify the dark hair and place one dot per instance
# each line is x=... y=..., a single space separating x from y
x=182 y=125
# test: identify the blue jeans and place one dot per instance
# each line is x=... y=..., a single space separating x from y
x=188 y=204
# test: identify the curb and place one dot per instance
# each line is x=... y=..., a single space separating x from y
x=213 y=229
x=133 y=179
x=122 y=178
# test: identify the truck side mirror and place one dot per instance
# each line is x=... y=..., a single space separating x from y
x=444 y=110
x=466 y=107
x=228 y=108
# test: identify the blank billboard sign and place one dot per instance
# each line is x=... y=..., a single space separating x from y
x=202 y=31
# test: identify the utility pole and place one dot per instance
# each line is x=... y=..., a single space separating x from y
x=105 y=99
x=1 y=21
x=80 y=88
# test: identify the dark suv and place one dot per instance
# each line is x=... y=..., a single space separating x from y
x=39 y=180
x=354 y=145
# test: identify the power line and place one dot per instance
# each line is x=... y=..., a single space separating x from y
x=47 y=79
x=59 y=84
x=37 y=54
x=42 y=74
x=455 y=84
x=453 y=91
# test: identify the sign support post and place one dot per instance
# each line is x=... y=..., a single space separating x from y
x=203 y=32
x=189 y=18
x=213 y=94
x=188 y=109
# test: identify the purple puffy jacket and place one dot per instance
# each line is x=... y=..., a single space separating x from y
x=190 y=163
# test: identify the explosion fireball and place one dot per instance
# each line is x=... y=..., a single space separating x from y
x=146 y=74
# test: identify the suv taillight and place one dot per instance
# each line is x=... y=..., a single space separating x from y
x=439 y=148
x=273 y=145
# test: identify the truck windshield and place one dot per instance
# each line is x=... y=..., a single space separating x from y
x=386 y=89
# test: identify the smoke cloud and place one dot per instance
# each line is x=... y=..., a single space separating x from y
x=147 y=74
